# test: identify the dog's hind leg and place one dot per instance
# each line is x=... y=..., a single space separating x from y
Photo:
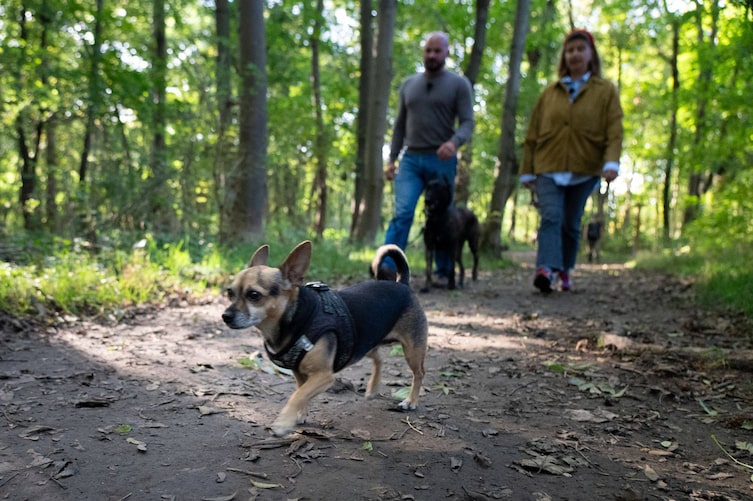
x=372 y=388
x=414 y=349
x=414 y=355
x=459 y=259
x=473 y=245
x=429 y=263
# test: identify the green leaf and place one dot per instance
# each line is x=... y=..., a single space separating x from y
x=124 y=428
x=248 y=363
x=555 y=366
x=367 y=446
x=710 y=412
x=401 y=394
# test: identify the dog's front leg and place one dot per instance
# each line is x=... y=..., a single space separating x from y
x=314 y=376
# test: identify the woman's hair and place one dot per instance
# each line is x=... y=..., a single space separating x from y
x=594 y=66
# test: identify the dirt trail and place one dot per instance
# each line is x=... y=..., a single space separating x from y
x=613 y=392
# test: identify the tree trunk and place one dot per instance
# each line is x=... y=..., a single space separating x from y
x=94 y=93
x=159 y=195
x=672 y=144
x=223 y=156
x=370 y=220
x=51 y=165
x=320 y=142
x=696 y=185
x=247 y=186
x=364 y=91
x=507 y=164
x=471 y=72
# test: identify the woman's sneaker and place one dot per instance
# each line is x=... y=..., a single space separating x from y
x=543 y=280
x=565 y=284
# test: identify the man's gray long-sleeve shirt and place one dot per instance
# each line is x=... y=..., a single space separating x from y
x=429 y=107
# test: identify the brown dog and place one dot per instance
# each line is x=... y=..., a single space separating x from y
x=316 y=332
x=447 y=229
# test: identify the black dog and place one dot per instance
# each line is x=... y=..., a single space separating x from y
x=447 y=229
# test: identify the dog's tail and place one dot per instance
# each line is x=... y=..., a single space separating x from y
x=381 y=271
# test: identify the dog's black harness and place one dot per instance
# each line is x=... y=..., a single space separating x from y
x=319 y=311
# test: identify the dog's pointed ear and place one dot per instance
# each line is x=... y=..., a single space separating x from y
x=297 y=263
x=260 y=257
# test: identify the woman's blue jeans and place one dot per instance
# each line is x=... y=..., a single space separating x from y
x=415 y=171
x=561 y=209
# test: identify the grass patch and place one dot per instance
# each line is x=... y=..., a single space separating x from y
x=45 y=277
x=722 y=281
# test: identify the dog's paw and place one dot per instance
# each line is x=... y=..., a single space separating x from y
x=282 y=426
x=406 y=405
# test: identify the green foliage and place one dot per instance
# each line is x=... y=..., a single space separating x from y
x=48 y=92
x=64 y=277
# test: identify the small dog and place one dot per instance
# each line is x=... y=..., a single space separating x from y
x=379 y=271
x=447 y=229
x=316 y=332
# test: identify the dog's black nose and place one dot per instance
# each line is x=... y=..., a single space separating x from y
x=227 y=316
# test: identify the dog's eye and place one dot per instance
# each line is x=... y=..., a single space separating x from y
x=253 y=295
x=230 y=294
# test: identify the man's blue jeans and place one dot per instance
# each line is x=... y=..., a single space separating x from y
x=561 y=209
x=414 y=172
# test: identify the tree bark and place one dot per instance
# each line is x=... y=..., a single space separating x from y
x=159 y=195
x=377 y=124
x=223 y=156
x=507 y=164
x=94 y=93
x=471 y=72
x=247 y=184
x=320 y=148
x=699 y=178
x=364 y=91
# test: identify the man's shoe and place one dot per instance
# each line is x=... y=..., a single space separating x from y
x=543 y=280
x=565 y=284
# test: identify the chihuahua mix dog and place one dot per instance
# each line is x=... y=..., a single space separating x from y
x=316 y=332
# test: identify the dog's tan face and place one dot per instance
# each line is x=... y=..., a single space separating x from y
x=260 y=294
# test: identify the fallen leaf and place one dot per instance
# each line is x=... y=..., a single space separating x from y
x=67 y=469
x=482 y=460
x=720 y=476
x=547 y=464
x=650 y=473
x=32 y=433
x=222 y=498
x=582 y=415
x=208 y=411
x=265 y=485
x=362 y=434
x=140 y=446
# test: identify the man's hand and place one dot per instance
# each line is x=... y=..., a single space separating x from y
x=447 y=150
x=609 y=175
x=389 y=171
